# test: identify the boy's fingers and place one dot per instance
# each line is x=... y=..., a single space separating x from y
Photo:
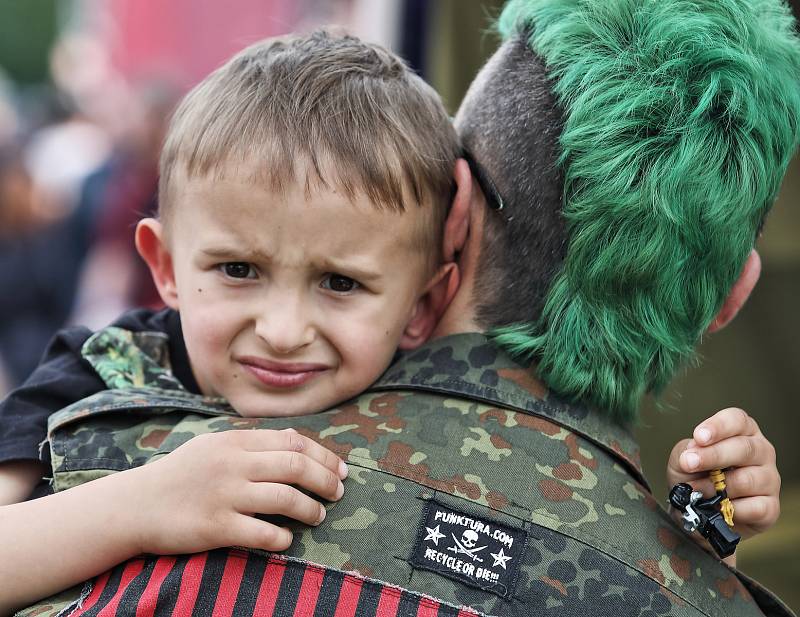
x=255 y=533
x=742 y=482
x=295 y=442
x=674 y=468
x=753 y=481
x=758 y=512
x=289 y=441
x=294 y=468
x=272 y=498
x=737 y=451
x=723 y=424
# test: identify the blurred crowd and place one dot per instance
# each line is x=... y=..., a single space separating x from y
x=77 y=169
x=79 y=150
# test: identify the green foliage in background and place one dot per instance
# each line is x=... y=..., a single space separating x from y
x=27 y=30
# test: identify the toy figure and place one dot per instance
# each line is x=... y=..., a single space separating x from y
x=712 y=518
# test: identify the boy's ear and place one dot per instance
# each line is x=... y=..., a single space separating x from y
x=456 y=226
x=431 y=305
x=152 y=247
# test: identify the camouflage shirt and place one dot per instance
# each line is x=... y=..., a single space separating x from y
x=468 y=482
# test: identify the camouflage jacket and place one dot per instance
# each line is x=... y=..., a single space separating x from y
x=469 y=483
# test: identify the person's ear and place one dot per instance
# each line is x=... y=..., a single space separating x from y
x=456 y=226
x=739 y=292
x=152 y=247
x=431 y=305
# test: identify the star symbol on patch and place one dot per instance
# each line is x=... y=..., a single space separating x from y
x=500 y=558
x=435 y=535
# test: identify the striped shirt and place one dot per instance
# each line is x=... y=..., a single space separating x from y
x=228 y=582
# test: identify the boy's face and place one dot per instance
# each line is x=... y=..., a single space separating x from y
x=289 y=304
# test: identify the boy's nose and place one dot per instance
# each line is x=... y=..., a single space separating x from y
x=284 y=327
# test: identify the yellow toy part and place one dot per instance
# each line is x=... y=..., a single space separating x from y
x=726 y=507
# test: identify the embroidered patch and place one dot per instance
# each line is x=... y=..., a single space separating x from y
x=474 y=550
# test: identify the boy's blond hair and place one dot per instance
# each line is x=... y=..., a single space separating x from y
x=321 y=109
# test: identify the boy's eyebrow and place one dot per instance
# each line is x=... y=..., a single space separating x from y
x=237 y=254
x=350 y=270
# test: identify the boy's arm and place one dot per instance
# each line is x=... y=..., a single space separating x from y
x=55 y=542
x=731 y=440
x=18 y=479
x=199 y=497
x=62 y=378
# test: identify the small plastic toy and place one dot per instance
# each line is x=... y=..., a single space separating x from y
x=712 y=517
x=725 y=506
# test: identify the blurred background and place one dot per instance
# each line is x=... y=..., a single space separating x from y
x=86 y=87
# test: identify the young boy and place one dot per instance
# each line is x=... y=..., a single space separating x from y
x=304 y=189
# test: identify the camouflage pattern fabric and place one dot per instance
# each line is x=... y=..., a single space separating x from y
x=469 y=483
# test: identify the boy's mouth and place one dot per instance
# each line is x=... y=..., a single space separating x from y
x=280 y=374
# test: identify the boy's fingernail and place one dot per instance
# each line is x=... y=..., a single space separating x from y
x=691 y=460
x=690 y=445
x=322 y=515
x=703 y=435
x=339 y=491
x=343 y=470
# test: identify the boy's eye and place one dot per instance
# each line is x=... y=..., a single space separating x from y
x=238 y=270
x=339 y=283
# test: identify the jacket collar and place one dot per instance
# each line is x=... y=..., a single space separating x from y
x=470 y=366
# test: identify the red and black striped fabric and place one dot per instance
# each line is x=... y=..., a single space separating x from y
x=233 y=582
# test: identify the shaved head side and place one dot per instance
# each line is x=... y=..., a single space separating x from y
x=638 y=146
x=509 y=121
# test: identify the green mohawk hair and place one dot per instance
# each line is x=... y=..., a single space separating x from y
x=680 y=119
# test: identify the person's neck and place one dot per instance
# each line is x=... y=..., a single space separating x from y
x=460 y=316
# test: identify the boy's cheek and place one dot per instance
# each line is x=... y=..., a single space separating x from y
x=208 y=328
x=368 y=351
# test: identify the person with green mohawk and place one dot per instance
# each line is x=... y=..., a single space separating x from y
x=621 y=157
x=642 y=186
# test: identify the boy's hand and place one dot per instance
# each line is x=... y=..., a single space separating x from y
x=204 y=494
x=731 y=439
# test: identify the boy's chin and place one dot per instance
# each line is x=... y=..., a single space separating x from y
x=284 y=406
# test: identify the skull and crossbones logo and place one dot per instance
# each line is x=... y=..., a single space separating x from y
x=467 y=545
